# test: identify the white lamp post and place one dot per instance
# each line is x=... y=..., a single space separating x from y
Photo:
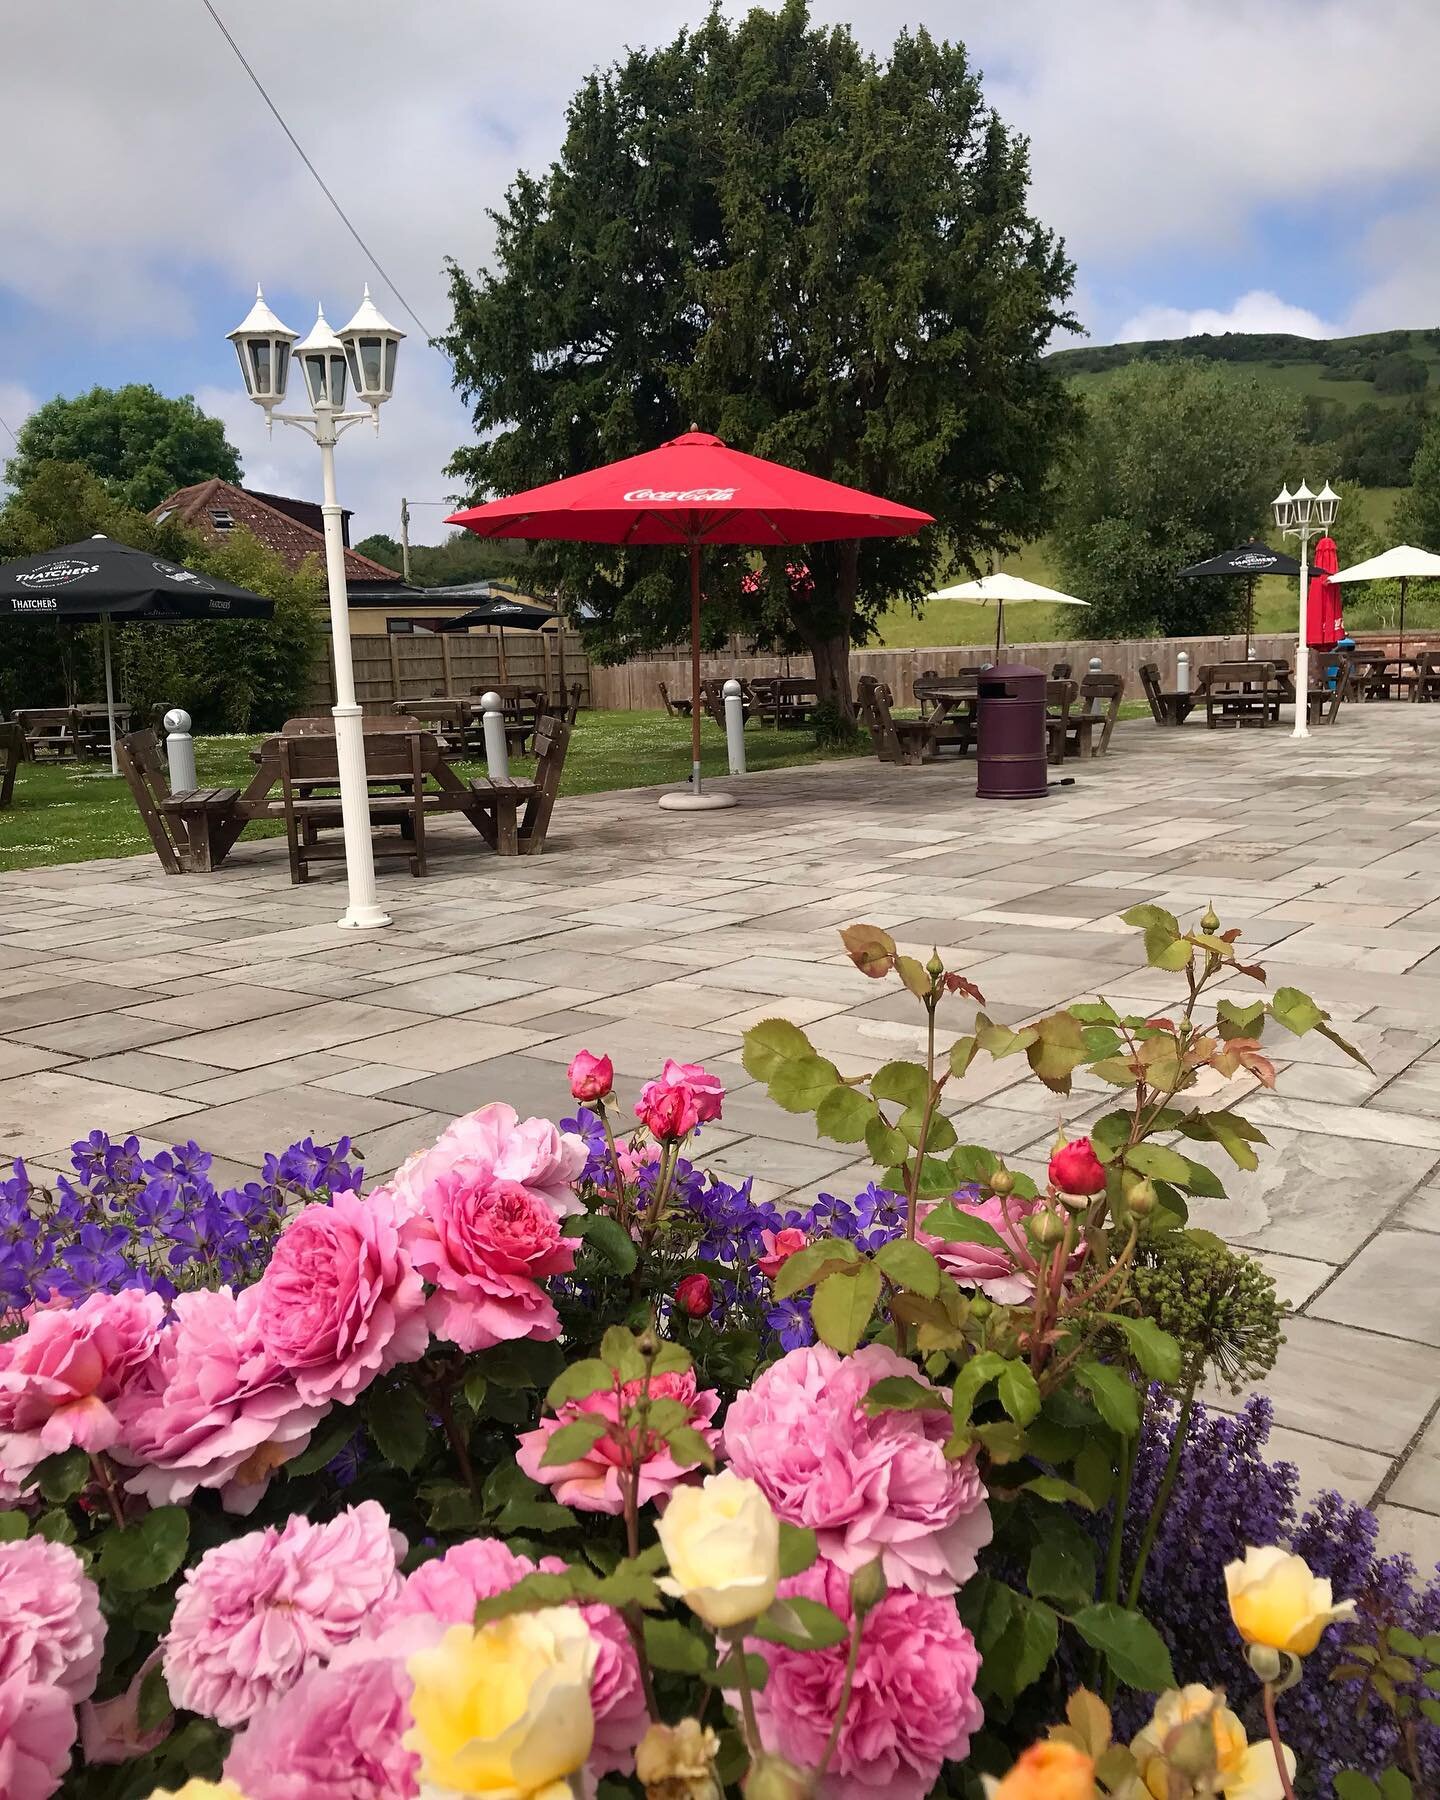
x=364 y=352
x=1304 y=515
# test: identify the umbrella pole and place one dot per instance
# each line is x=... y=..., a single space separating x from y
x=504 y=671
x=999 y=626
x=109 y=693
x=1249 y=612
x=1403 y=580
x=695 y=666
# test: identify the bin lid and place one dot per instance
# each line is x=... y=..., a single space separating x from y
x=1011 y=680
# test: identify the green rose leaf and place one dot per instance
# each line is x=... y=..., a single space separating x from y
x=396 y=1419
x=63 y=1475
x=326 y=1442
x=534 y=1515
x=1064 y=1493
x=906 y=1083
x=579 y=1381
x=1023 y=1648
x=903 y=1393
x=972 y=1162
x=799 y=1548
x=843 y=1306
x=1019 y=1392
x=147 y=1553
x=885 y=1144
x=982 y=1368
x=1130 y=1644
x=801 y=1085
x=1059 y=1049
x=910 y=1265
x=962 y=1054
x=1156 y=1353
x=154 y=1705
x=1235 y=1020
x=771 y=1044
x=1156 y=1160
x=948 y=1223
x=1095 y=1012
x=573 y=1442
x=608 y=1237
x=688 y=1448
x=807 y=1266
x=999 y=1041
x=843 y=1115
x=1113 y=1393
x=675 y=1648
x=1297 y=1013
x=1062 y=1563
x=799 y=1624
x=13 y=1527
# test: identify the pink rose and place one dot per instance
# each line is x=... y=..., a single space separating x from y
x=335 y=1735
x=1005 y=1276
x=486 y=1249
x=110 y=1729
x=593 y=1483
x=495 y=1144
x=913 y=1705
x=60 y=1375
x=684 y=1096
x=212 y=1408
x=450 y=1587
x=1076 y=1169
x=37 y=1728
x=52 y=1634
x=868 y=1486
x=780 y=1246
x=591 y=1077
x=339 y=1302
x=255 y=1613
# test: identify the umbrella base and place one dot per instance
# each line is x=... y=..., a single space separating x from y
x=687 y=800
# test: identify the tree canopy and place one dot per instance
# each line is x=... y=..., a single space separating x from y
x=141 y=443
x=1176 y=462
x=1417 y=514
x=823 y=257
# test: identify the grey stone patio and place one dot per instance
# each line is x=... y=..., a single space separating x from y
x=229 y=1008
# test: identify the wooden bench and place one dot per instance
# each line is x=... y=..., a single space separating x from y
x=1427 y=676
x=1241 y=693
x=188 y=829
x=676 y=707
x=1100 y=697
x=953 y=700
x=309 y=761
x=1167 y=707
x=1060 y=696
x=896 y=740
x=12 y=754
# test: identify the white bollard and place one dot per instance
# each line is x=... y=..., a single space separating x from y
x=1252 y=654
x=1182 y=672
x=180 y=751
x=1096 y=666
x=735 y=726
x=497 y=753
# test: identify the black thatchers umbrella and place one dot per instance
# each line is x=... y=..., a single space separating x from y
x=500 y=610
x=100 y=579
x=1250 y=560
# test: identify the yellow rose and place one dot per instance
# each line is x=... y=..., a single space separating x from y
x=722 y=1541
x=200 y=1790
x=503 y=1712
x=677 y=1762
x=1276 y=1601
x=1196 y=1717
x=1048 y=1771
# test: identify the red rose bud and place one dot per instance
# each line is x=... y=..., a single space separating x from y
x=1076 y=1169
x=695 y=1296
x=591 y=1077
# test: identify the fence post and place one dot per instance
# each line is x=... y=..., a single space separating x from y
x=180 y=751
x=497 y=754
x=735 y=726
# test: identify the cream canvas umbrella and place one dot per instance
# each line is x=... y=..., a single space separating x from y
x=1403 y=564
x=995 y=590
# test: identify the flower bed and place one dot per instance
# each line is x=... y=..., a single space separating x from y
x=557 y=1463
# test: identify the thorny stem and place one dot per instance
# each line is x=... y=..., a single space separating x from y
x=1117 y=1541
x=747 y=1699
x=100 y=1469
x=857 y=1626
x=1272 y=1726
x=932 y=1094
x=456 y=1439
x=620 y=1194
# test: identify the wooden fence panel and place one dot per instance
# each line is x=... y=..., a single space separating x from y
x=399 y=666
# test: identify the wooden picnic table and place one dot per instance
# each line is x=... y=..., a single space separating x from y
x=786 y=699
x=70 y=731
x=956 y=698
x=459 y=718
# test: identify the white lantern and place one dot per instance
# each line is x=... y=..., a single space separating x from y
x=1284 y=505
x=1327 y=503
x=371 y=342
x=263 y=345
x=321 y=357
x=1304 y=504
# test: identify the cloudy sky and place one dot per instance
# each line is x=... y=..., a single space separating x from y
x=1212 y=164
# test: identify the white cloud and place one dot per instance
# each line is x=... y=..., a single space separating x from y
x=1255 y=311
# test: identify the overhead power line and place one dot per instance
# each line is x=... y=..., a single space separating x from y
x=343 y=216
x=16 y=442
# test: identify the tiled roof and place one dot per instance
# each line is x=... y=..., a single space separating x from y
x=291 y=540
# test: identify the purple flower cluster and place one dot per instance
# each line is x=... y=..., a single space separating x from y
x=1227 y=1495
x=155 y=1222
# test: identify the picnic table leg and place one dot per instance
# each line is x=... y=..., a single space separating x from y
x=507 y=826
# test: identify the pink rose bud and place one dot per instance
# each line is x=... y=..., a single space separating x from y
x=695 y=1296
x=683 y=1097
x=1076 y=1169
x=780 y=1246
x=591 y=1077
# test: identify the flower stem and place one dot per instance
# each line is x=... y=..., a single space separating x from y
x=457 y=1442
x=857 y=1626
x=1111 y=1591
x=747 y=1698
x=1272 y=1726
x=1167 y=1483
x=100 y=1469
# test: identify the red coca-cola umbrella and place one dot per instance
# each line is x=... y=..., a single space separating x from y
x=1324 y=627
x=692 y=491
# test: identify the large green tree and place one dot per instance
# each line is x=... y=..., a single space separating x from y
x=1416 y=519
x=1177 y=462
x=141 y=443
x=825 y=258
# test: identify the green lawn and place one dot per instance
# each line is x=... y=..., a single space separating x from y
x=64 y=813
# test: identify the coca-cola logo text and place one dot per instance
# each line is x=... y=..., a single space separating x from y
x=687 y=496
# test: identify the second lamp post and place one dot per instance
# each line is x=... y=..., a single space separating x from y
x=1304 y=515
x=364 y=351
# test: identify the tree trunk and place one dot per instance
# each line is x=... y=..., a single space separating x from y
x=824 y=624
